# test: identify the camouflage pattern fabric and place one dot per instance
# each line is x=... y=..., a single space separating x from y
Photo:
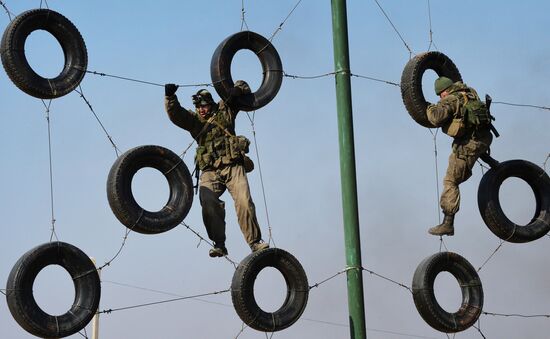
x=212 y=185
x=466 y=149
x=220 y=158
x=215 y=147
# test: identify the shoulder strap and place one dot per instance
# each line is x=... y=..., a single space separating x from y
x=205 y=127
x=223 y=128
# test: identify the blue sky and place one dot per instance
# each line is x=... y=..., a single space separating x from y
x=501 y=48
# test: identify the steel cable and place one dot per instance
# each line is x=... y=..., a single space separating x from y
x=111 y=310
x=8 y=12
x=81 y=93
x=521 y=105
x=261 y=177
x=395 y=29
x=53 y=233
x=280 y=27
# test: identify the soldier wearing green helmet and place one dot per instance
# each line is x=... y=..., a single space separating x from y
x=221 y=158
x=461 y=115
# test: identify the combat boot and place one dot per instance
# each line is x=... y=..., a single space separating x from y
x=258 y=246
x=218 y=250
x=445 y=228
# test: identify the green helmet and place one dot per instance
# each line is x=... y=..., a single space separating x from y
x=202 y=98
x=441 y=84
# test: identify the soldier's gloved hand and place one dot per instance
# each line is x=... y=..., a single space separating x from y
x=170 y=89
x=243 y=86
x=235 y=92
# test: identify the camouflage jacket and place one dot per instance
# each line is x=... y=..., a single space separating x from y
x=442 y=113
x=215 y=136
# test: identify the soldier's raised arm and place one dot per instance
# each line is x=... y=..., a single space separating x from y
x=240 y=88
x=180 y=116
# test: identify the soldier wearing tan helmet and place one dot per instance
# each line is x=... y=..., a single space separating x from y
x=461 y=115
x=221 y=158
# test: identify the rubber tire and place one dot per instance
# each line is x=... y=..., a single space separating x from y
x=21 y=301
x=411 y=82
x=17 y=67
x=424 y=296
x=491 y=210
x=220 y=69
x=123 y=203
x=242 y=290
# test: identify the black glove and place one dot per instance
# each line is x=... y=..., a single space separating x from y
x=235 y=92
x=170 y=89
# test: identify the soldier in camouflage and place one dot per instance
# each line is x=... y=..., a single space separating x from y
x=470 y=128
x=221 y=158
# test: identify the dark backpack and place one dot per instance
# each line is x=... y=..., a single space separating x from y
x=475 y=112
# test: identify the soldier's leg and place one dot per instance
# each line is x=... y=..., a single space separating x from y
x=450 y=197
x=213 y=209
x=237 y=184
x=461 y=163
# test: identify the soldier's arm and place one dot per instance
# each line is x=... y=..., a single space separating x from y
x=231 y=102
x=180 y=116
x=438 y=114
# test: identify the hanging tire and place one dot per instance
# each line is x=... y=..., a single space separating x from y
x=220 y=69
x=18 y=68
x=124 y=205
x=424 y=296
x=242 y=290
x=411 y=82
x=491 y=210
x=21 y=301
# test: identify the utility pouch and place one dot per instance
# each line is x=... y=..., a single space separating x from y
x=203 y=158
x=248 y=164
x=238 y=146
x=455 y=129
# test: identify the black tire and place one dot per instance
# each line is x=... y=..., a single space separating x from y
x=424 y=296
x=220 y=69
x=16 y=64
x=121 y=199
x=242 y=290
x=491 y=210
x=23 y=306
x=411 y=82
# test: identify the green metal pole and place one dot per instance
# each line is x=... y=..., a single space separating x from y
x=356 y=302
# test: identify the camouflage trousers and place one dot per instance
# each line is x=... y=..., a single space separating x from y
x=461 y=161
x=213 y=184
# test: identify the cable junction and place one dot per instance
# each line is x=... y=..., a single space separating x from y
x=243 y=20
x=478 y=328
x=202 y=239
x=45 y=3
x=431 y=31
x=243 y=327
x=395 y=29
x=280 y=27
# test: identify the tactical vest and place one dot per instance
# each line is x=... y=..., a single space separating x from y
x=471 y=114
x=217 y=145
